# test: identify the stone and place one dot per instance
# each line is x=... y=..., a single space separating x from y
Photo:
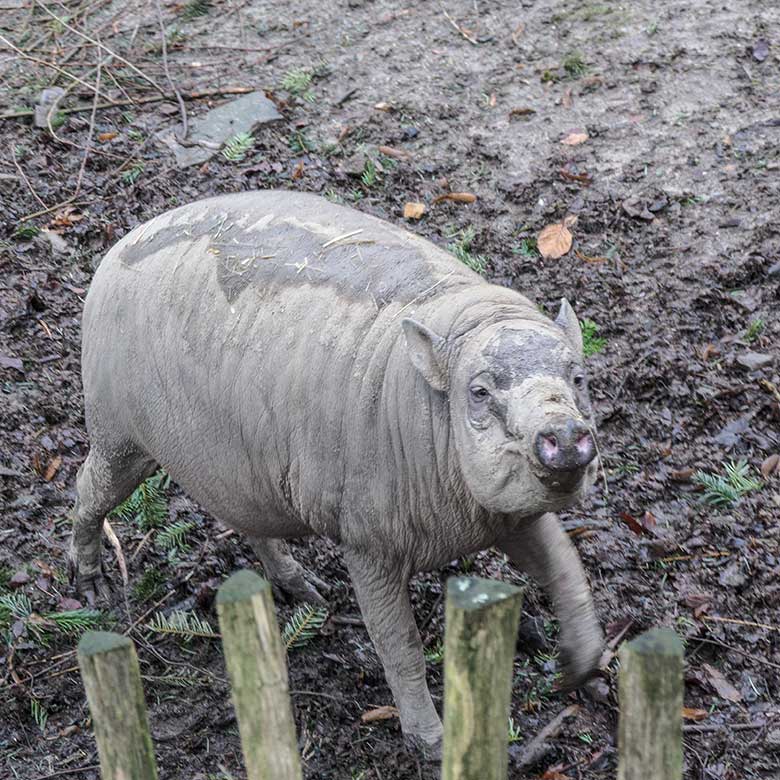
x=753 y=361
x=209 y=132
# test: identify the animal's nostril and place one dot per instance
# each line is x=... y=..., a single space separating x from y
x=585 y=443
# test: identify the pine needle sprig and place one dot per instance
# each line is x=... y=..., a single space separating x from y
x=147 y=504
x=181 y=623
x=723 y=491
x=238 y=146
x=173 y=538
x=195 y=8
x=303 y=626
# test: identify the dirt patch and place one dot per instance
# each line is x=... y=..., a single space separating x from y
x=676 y=262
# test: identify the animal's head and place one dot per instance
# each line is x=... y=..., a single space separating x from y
x=519 y=409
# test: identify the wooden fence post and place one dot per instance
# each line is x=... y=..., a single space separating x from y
x=112 y=679
x=479 y=648
x=256 y=663
x=651 y=699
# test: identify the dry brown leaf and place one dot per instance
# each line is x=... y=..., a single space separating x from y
x=66 y=218
x=575 y=138
x=522 y=111
x=52 y=468
x=590 y=258
x=681 y=475
x=690 y=713
x=456 y=197
x=103 y=137
x=396 y=154
x=770 y=466
x=413 y=210
x=379 y=713
x=298 y=170
x=721 y=685
x=554 y=241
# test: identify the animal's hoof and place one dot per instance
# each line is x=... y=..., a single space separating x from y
x=94 y=589
x=304 y=587
x=579 y=666
x=429 y=749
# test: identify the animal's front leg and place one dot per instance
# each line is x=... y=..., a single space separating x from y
x=381 y=587
x=543 y=550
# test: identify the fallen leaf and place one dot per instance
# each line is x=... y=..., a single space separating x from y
x=633 y=523
x=66 y=218
x=343 y=133
x=382 y=106
x=575 y=138
x=689 y=713
x=492 y=100
x=523 y=111
x=720 y=684
x=396 y=154
x=554 y=773
x=52 y=468
x=298 y=170
x=582 y=178
x=554 y=241
x=380 y=713
x=709 y=351
x=636 y=207
x=770 y=466
x=45 y=568
x=681 y=475
x=649 y=522
x=456 y=197
x=6 y=361
x=103 y=137
x=413 y=210
x=590 y=258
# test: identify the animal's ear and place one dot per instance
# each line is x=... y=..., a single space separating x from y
x=567 y=319
x=426 y=351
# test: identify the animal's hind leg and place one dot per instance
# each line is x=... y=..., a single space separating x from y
x=101 y=485
x=284 y=572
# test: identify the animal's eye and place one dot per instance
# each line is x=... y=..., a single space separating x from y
x=479 y=393
x=579 y=380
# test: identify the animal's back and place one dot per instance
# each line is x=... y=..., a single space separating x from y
x=229 y=339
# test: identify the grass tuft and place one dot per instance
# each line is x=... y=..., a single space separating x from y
x=461 y=248
x=591 y=343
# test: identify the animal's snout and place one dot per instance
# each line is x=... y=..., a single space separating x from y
x=565 y=446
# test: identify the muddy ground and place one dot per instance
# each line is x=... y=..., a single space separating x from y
x=676 y=258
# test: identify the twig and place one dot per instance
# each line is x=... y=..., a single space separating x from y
x=537 y=746
x=696 y=729
x=137 y=101
x=423 y=294
x=470 y=38
x=341 y=238
x=63 y=772
x=87 y=148
x=26 y=180
x=47 y=64
x=756 y=658
x=55 y=207
x=102 y=46
x=182 y=107
x=734 y=621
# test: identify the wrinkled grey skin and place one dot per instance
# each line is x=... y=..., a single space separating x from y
x=295 y=385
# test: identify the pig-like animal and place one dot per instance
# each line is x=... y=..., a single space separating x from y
x=301 y=368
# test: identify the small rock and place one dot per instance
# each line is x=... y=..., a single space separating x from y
x=760 y=50
x=753 y=361
x=20 y=578
x=409 y=133
x=45 y=101
x=774 y=270
x=732 y=577
x=772 y=741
